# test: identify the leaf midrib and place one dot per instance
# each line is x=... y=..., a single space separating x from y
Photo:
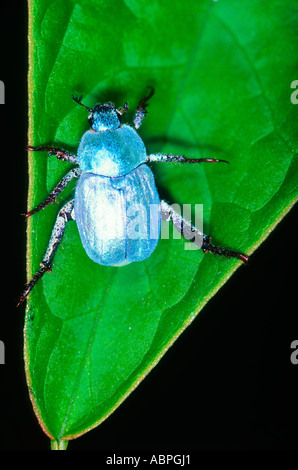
x=87 y=352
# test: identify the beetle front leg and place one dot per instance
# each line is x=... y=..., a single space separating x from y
x=168 y=157
x=193 y=234
x=64 y=215
x=141 y=110
x=59 y=153
x=73 y=173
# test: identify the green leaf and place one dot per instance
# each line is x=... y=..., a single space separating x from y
x=92 y=333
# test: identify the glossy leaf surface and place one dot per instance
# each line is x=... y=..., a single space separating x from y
x=222 y=89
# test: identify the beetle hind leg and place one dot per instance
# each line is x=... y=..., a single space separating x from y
x=64 y=215
x=218 y=250
x=193 y=234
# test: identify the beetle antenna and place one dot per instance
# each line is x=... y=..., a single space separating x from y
x=123 y=109
x=79 y=101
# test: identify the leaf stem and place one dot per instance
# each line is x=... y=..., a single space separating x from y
x=60 y=444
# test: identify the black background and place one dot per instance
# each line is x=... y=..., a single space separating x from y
x=227 y=383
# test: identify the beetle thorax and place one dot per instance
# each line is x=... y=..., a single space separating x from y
x=111 y=153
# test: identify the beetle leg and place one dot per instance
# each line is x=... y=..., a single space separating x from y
x=73 y=173
x=164 y=157
x=64 y=215
x=193 y=234
x=60 y=154
x=141 y=110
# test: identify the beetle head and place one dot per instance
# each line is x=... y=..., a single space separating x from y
x=105 y=116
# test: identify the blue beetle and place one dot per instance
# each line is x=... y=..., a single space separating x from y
x=114 y=178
